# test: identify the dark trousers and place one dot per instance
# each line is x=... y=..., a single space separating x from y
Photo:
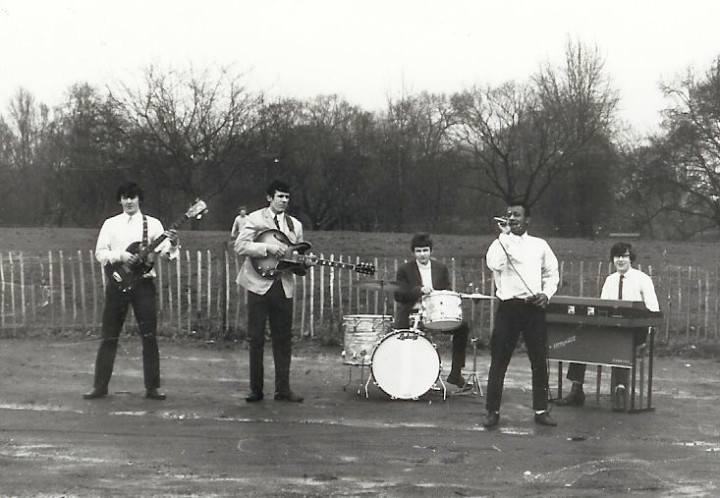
x=459 y=346
x=513 y=318
x=576 y=371
x=459 y=339
x=275 y=308
x=142 y=299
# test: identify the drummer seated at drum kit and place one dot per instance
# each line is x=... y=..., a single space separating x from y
x=425 y=283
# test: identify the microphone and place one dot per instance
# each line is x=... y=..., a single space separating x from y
x=501 y=221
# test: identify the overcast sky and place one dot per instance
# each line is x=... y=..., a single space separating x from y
x=364 y=51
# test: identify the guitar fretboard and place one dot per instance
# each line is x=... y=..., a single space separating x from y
x=328 y=262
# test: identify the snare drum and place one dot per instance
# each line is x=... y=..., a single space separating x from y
x=362 y=333
x=405 y=365
x=442 y=310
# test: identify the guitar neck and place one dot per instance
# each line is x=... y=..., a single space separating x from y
x=153 y=245
x=336 y=264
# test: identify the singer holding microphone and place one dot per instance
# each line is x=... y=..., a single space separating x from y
x=525 y=272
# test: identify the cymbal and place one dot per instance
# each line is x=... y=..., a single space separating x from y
x=476 y=296
x=380 y=285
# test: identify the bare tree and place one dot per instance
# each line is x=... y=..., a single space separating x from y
x=520 y=138
x=189 y=128
x=23 y=169
x=691 y=147
x=415 y=153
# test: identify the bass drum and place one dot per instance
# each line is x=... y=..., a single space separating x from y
x=405 y=365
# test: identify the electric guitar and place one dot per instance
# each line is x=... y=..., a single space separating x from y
x=294 y=259
x=126 y=275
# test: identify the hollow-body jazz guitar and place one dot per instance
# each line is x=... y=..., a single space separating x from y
x=125 y=275
x=294 y=259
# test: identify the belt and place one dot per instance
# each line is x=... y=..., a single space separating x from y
x=515 y=301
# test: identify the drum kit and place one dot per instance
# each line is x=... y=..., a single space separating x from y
x=404 y=363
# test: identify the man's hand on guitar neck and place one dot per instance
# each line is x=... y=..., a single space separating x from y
x=310 y=259
x=172 y=236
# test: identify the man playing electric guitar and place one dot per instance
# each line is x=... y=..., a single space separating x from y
x=270 y=299
x=117 y=234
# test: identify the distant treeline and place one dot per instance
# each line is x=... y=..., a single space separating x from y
x=441 y=163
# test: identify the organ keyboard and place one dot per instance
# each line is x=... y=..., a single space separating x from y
x=601 y=332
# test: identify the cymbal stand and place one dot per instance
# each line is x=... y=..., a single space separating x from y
x=473 y=381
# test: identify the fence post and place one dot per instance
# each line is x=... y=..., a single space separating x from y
x=312 y=301
x=189 y=291
x=178 y=290
x=225 y=289
x=322 y=290
x=94 y=287
x=209 y=286
x=340 y=292
x=331 y=287
x=2 y=279
x=22 y=288
x=706 y=321
x=61 y=262
x=304 y=304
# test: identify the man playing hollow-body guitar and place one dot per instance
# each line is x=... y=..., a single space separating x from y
x=269 y=299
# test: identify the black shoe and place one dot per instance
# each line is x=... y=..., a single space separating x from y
x=576 y=397
x=491 y=420
x=288 y=396
x=620 y=398
x=95 y=393
x=253 y=397
x=456 y=379
x=544 y=418
x=154 y=394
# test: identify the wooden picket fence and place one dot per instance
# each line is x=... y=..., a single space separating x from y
x=198 y=296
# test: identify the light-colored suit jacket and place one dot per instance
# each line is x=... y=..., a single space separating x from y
x=245 y=245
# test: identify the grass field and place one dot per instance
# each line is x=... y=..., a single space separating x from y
x=394 y=245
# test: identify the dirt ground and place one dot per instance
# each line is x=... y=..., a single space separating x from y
x=205 y=440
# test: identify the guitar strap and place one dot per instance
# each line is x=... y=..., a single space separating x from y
x=145 y=232
x=290 y=224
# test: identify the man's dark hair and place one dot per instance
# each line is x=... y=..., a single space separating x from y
x=620 y=248
x=521 y=203
x=277 y=186
x=129 y=190
x=421 y=240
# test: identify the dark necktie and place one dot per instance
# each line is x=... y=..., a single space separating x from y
x=620 y=286
x=277 y=223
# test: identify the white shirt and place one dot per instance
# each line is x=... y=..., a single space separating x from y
x=119 y=231
x=281 y=221
x=425 y=278
x=530 y=269
x=637 y=286
x=425 y=274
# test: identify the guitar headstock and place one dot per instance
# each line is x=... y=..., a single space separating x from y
x=365 y=268
x=197 y=209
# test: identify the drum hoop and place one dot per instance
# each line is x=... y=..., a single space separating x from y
x=394 y=333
